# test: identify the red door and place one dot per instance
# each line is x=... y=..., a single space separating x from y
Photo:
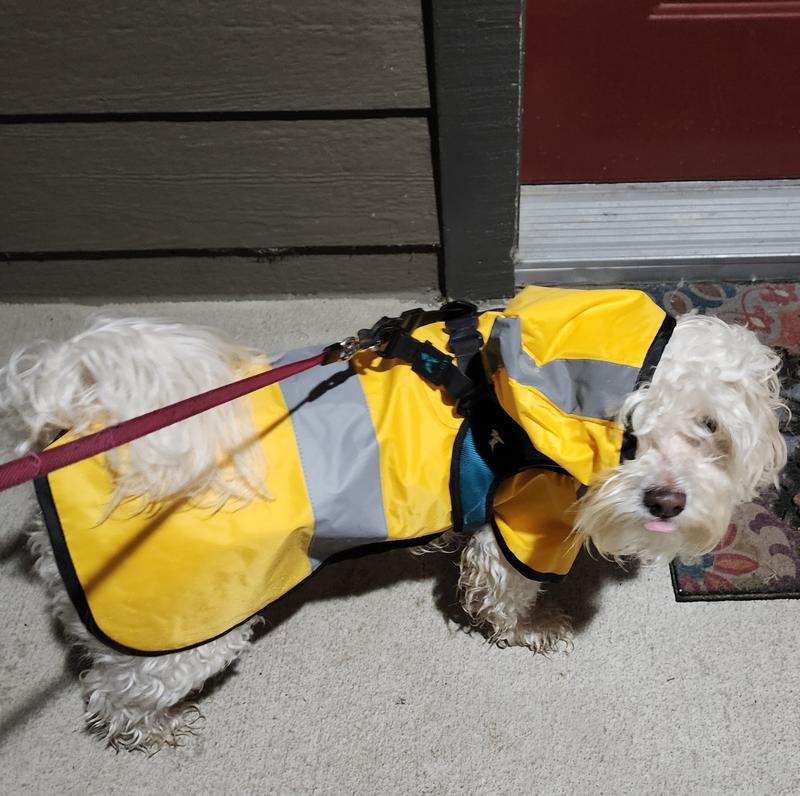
x=637 y=90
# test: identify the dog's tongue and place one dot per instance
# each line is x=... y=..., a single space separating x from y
x=660 y=526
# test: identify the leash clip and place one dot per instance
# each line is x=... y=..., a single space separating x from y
x=350 y=347
x=342 y=351
x=367 y=339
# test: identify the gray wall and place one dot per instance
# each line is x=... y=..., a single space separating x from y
x=168 y=148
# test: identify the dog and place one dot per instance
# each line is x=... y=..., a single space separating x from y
x=691 y=430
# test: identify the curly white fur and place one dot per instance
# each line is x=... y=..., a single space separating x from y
x=707 y=426
x=118 y=369
x=501 y=600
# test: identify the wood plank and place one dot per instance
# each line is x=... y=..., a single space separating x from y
x=151 y=55
x=477 y=57
x=210 y=185
x=146 y=279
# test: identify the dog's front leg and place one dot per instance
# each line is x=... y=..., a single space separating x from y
x=501 y=600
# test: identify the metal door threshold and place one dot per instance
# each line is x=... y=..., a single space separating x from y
x=637 y=232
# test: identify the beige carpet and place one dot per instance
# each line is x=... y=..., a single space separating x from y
x=366 y=684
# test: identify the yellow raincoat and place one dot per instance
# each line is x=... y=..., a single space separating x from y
x=381 y=457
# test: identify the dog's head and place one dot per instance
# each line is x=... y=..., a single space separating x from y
x=707 y=432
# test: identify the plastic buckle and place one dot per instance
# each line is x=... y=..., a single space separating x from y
x=374 y=337
x=410 y=319
x=459 y=307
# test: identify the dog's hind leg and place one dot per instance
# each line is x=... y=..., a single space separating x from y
x=135 y=702
x=501 y=600
x=138 y=702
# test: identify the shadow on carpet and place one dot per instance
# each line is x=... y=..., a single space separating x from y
x=759 y=557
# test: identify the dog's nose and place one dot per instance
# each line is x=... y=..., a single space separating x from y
x=664 y=503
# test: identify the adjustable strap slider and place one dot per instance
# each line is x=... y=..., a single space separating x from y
x=465 y=341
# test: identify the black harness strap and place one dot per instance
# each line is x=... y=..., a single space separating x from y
x=501 y=443
x=465 y=339
x=427 y=361
x=391 y=337
x=499 y=440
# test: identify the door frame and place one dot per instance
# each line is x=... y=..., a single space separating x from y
x=475 y=71
x=475 y=53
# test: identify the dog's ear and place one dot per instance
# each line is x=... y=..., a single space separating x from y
x=762 y=451
x=741 y=377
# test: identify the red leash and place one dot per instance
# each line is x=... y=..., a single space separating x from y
x=35 y=465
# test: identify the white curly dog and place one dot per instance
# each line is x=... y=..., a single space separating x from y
x=708 y=439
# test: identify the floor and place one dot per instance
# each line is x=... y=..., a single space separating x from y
x=366 y=682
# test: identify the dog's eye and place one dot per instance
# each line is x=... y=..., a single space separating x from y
x=709 y=424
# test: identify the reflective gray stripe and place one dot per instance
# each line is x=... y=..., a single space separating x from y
x=340 y=458
x=586 y=387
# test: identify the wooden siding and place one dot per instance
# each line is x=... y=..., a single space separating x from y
x=180 y=148
x=235 y=184
x=145 y=56
x=217 y=277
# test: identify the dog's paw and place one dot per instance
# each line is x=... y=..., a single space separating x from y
x=547 y=631
x=146 y=732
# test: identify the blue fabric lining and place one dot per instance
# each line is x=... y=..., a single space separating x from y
x=474 y=484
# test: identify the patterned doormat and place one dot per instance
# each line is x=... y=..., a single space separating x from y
x=759 y=558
